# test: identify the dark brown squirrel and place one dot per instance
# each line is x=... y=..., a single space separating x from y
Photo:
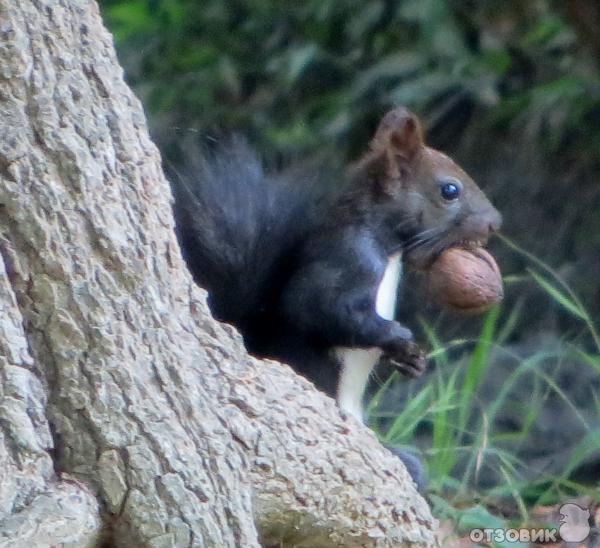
x=309 y=271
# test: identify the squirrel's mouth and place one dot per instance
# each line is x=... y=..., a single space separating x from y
x=470 y=244
x=420 y=258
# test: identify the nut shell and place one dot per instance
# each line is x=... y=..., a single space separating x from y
x=465 y=280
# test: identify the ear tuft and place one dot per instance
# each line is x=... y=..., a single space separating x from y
x=400 y=134
x=396 y=143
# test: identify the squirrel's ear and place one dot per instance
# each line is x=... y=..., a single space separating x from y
x=397 y=141
x=400 y=134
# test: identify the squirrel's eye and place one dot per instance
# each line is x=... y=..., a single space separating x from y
x=450 y=191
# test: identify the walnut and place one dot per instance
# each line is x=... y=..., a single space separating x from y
x=465 y=280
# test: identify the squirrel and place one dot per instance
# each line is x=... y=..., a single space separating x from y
x=309 y=271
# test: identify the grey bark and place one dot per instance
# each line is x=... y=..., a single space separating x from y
x=127 y=413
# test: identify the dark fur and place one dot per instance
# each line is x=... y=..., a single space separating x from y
x=294 y=264
x=290 y=263
x=295 y=261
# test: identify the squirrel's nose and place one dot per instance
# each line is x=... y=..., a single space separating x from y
x=480 y=226
x=495 y=221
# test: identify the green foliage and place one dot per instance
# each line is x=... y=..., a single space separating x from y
x=303 y=76
x=465 y=432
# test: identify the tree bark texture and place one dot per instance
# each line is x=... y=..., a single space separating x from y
x=127 y=414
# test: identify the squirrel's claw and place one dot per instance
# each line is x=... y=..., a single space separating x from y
x=411 y=361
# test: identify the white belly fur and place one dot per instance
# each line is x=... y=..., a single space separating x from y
x=357 y=363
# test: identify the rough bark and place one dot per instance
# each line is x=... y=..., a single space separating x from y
x=125 y=410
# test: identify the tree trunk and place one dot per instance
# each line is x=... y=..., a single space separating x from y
x=127 y=414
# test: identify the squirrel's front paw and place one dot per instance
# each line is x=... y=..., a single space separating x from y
x=408 y=358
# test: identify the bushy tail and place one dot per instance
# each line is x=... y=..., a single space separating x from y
x=238 y=226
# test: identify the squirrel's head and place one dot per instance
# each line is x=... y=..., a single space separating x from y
x=429 y=201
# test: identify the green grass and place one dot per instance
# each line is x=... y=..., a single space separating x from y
x=462 y=430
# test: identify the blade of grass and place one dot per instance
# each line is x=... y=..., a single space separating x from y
x=573 y=296
x=515 y=494
x=558 y=296
x=477 y=366
x=410 y=417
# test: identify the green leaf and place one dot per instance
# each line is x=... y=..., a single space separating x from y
x=397 y=65
x=478 y=517
x=131 y=19
x=299 y=60
x=558 y=296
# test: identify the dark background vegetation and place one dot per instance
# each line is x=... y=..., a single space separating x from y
x=510 y=88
